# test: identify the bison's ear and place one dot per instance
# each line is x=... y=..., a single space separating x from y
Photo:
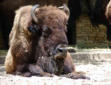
x=65 y=9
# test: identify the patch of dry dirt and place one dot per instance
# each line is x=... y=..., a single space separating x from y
x=96 y=64
x=99 y=75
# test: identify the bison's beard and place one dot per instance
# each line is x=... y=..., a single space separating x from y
x=52 y=61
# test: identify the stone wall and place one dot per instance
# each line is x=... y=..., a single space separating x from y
x=89 y=36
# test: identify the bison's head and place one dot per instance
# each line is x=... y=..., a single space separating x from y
x=50 y=23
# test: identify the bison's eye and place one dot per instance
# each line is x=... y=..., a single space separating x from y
x=33 y=28
x=46 y=31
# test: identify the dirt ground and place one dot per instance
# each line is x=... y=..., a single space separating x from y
x=99 y=75
x=98 y=71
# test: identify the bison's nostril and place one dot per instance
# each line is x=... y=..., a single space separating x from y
x=62 y=50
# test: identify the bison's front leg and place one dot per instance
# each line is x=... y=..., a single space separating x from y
x=22 y=69
x=68 y=64
x=37 y=70
x=76 y=75
x=69 y=69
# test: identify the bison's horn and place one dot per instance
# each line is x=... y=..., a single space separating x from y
x=33 y=13
x=65 y=9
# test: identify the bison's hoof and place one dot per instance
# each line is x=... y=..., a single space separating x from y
x=77 y=76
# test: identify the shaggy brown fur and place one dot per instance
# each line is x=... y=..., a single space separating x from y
x=30 y=50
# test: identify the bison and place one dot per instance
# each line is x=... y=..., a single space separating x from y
x=38 y=43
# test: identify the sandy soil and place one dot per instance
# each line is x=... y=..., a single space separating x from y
x=99 y=75
x=96 y=64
